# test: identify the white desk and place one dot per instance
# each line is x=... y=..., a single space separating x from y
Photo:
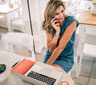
x=7 y=12
x=9 y=60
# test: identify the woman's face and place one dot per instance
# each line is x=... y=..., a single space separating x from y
x=60 y=14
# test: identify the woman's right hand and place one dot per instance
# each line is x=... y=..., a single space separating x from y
x=55 y=24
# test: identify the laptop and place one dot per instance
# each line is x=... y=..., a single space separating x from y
x=40 y=74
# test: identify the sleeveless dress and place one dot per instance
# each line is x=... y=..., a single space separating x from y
x=66 y=58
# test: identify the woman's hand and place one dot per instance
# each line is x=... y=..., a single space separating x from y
x=55 y=24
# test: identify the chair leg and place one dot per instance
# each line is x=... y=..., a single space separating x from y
x=81 y=56
x=77 y=66
x=80 y=62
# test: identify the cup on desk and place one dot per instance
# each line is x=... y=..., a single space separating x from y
x=64 y=82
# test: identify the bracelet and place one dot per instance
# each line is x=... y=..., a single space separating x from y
x=57 y=35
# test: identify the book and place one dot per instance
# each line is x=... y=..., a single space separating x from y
x=23 y=66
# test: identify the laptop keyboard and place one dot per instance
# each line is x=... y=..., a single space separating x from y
x=42 y=78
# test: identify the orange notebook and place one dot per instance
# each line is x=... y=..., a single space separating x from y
x=23 y=66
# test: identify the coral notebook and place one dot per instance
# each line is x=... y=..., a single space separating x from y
x=23 y=66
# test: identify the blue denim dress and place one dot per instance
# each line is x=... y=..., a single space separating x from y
x=66 y=58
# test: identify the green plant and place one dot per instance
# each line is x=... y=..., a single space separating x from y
x=2 y=68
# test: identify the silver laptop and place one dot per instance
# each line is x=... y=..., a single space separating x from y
x=42 y=74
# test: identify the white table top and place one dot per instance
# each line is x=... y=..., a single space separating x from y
x=5 y=8
x=9 y=59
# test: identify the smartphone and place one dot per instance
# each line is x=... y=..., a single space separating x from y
x=56 y=21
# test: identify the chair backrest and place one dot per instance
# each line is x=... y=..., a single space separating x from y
x=90 y=35
x=21 y=39
x=17 y=23
x=90 y=42
x=84 y=44
x=76 y=52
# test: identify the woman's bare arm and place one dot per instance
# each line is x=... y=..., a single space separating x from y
x=52 y=40
x=64 y=40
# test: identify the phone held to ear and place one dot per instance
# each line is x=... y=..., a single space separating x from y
x=56 y=21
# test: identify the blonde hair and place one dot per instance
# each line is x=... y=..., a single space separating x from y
x=49 y=13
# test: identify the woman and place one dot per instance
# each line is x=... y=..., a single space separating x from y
x=60 y=30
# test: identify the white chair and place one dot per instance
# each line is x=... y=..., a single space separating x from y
x=18 y=23
x=20 y=39
x=76 y=49
x=76 y=54
x=2 y=20
x=9 y=58
x=89 y=49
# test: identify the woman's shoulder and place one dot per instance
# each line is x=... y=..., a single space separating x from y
x=71 y=19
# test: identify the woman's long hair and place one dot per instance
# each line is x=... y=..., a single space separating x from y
x=49 y=13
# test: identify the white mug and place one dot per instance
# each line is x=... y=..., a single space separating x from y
x=64 y=83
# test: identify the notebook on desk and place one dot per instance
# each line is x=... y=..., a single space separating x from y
x=37 y=73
